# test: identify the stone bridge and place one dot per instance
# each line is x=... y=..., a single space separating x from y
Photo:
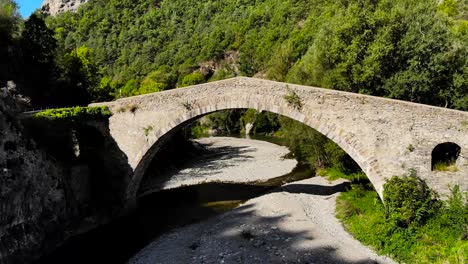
x=385 y=137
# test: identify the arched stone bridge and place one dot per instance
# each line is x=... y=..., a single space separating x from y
x=385 y=137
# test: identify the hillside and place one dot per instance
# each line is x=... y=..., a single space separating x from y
x=410 y=50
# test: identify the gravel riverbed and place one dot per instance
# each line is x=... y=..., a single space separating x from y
x=294 y=224
x=230 y=160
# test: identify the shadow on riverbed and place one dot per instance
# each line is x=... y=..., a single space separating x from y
x=316 y=189
x=243 y=236
x=163 y=211
x=203 y=160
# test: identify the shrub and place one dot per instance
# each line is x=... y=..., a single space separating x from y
x=442 y=238
x=293 y=100
x=408 y=200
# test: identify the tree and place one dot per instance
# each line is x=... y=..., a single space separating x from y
x=156 y=81
x=192 y=79
x=9 y=20
x=79 y=77
x=38 y=46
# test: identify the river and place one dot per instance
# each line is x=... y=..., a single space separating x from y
x=163 y=211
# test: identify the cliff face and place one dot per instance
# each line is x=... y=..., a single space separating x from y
x=32 y=194
x=55 y=7
x=47 y=193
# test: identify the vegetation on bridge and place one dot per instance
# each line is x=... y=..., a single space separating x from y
x=75 y=114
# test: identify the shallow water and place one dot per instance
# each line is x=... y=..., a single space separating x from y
x=160 y=212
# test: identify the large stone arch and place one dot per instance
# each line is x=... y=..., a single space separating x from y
x=353 y=148
x=385 y=137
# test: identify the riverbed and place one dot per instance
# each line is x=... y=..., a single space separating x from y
x=227 y=160
x=222 y=217
x=293 y=223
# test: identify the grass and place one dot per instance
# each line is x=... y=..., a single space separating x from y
x=335 y=173
x=443 y=166
x=441 y=239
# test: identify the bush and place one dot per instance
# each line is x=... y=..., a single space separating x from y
x=434 y=231
x=408 y=200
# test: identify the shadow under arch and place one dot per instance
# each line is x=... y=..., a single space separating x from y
x=353 y=149
x=445 y=154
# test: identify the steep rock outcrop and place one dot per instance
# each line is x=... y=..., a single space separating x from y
x=48 y=192
x=55 y=7
x=33 y=203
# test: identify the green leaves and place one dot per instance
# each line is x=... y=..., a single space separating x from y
x=75 y=114
x=408 y=200
x=440 y=238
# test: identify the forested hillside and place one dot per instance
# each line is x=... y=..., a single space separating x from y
x=414 y=50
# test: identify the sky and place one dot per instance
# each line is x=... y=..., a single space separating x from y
x=28 y=6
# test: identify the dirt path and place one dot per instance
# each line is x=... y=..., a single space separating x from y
x=296 y=224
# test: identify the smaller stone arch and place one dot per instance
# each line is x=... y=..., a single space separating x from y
x=444 y=156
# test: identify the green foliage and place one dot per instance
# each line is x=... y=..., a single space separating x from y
x=449 y=7
x=148 y=129
x=9 y=21
x=293 y=100
x=408 y=200
x=444 y=166
x=38 y=47
x=263 y=122
x=75 y=114
x=156 y=81
x=441 y=238
x=9 y=29
x=192 y=79
x=81 y=75
x=335 y=172
x=371 y=47
x=198 y=130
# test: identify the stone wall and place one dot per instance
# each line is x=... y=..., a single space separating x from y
x=385 y=137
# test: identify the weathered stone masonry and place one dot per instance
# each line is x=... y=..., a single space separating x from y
x=385 y=137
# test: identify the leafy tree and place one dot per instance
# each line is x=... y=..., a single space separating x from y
x=130 y=88
x=192 y=79
x=9 y=21
x=79 y=77
x=38 y=46
x=156 y=81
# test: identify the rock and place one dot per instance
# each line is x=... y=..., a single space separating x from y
x=55 y=7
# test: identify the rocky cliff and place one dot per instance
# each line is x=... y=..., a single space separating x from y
x=55 y=7
x=48 y=192
x=32 y=193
